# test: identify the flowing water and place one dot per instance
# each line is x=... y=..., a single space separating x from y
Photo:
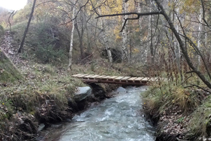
x=115 y=119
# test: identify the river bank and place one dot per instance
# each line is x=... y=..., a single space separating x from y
x=41 y=96
x=178 y=113
x=31 y=111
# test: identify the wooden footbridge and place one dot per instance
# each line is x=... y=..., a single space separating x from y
x=127 y=80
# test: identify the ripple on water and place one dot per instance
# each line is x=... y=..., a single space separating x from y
x=115 y=119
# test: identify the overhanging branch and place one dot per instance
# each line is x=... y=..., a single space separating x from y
x=138 y=15
x=131 y=13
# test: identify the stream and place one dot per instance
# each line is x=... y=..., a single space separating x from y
x=115 y=119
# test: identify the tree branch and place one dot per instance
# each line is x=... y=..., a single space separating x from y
x=131 y=13
x=203 y=9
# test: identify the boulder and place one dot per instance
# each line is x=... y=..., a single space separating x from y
x=121 y=90
x=82 y=93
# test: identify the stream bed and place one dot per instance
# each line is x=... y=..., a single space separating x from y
x=115 y=119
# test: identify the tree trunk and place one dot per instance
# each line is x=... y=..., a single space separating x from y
x=199 y=37
x=125 y=5
x=149 y=36
x=145 y=49
x=80 y=35
x=105 y=40
x=178 y=51
x=27 y=27
x=71 y=40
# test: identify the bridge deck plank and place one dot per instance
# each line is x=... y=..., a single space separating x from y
x=117 y=79
x=133 y=78
x=126 y=78
x=112 y=77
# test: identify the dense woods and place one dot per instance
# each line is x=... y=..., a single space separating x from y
x=149 y=38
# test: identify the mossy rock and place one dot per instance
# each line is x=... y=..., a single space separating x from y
x=8 y=72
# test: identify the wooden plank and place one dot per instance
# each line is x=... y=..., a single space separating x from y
x=139 y=79
x=87 y=76
x=82 y=75
x=95 y=76
x=77 y=75
x=119 y=78
x=146 y=79
x=91 y=76
x=111 y=77
x=101 y=76
x=107 y=77
x=126 y=78
x=132 y=78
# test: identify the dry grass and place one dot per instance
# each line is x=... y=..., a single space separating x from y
x=166 y=95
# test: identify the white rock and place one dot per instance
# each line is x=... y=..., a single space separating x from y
x=121 y=90
x=82 y=93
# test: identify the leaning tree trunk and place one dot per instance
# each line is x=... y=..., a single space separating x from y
x=27 y=27
x=71 y=40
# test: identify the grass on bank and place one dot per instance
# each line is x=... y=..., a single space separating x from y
x=40 y=84
x=45 y=82
x=164 y=96
x=192 y=102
